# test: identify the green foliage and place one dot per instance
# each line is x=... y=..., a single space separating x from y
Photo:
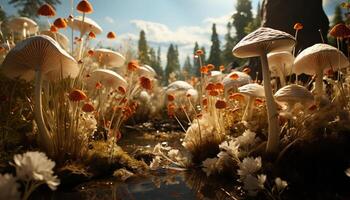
x=338 y=16
x=28 y=8
x=173 y=64
x=227 y=56
x=187 y=68
x=155 y=62
x=255 y=23
x=143 y=49
x=215 y=51
x=242 y=17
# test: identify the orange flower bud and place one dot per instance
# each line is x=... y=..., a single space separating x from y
x=210 y=67
x=199 y=52
x=91 y=52
x=222 y=68
x=88 y=107
x=46 y=10
x=204 y=70
x=234 y=76
x=121 y=90
x=60 y=23
x=53 y=29
x=205 y=101
x=210 y=87
x=85 y=7
x=133 y=65
x=145 y=83
x=298 y=26
x=236 y=96
x=171 y=97
x=92 y=34
x=220 y=104
x=213 y=93
x=77 y=95
x=219 y=86
x=111 y=35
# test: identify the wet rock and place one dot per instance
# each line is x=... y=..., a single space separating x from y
x=72 y=175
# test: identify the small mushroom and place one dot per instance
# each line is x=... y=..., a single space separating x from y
x=23 y=25
x=147 y=71
x=108 y=58
x=39 y=57
x=234 y=80
x=107 y=78
x=59 y=37
x=293 y=94
x=177 y=86
x=258 y=44
x=252 y=91
x=86 y=26
x=215 y=76
x=318 y=59
x=281 y=64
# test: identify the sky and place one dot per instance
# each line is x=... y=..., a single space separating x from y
x=165 y=21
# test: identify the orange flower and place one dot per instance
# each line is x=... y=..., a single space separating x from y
x=247 y=70
x=145 y=83
x=204 y=70
x=91 y=52
x=111 y=35
x=77 y=95
x=171 y=109
x=298 y=26
x=92 y=34
x=46 y=10
x=210 y=86
x=199 y=52
x=85 y=7
x=219 y=86
x=205 y=101
x=53 y=29
x=340 y=31
x=210 y=67
x=88 y=107
x=236 y=96
x=213 y=93
x=220 y=104
x=98 y=85
x=234 y=76
x=60 y=23
x=222 y=68
x=259 y=101
x=121 y=90
x=171 y=97
x=133 y=65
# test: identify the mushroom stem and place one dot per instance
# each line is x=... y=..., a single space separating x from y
x=319 y=83
x=282 y=78
x=248 y=109
x=274 y=129
x=38 y=113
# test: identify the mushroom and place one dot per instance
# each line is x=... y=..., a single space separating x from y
x=108 y=58
x=215 y=76
x=36 y=57
x=234 y=80
x=107 y=78
x=280 y=64
x=147 y=71
x=316 y=60
x=177 y=86
x=259 y=43
x=88 y=25
x=59 y=37
x=252 y=91
x=293 y=94
x=23 y=25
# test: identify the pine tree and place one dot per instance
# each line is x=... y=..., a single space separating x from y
x=155 y=62
x=28 y=8
x=255 y=23
x=215 y=51
x=195 y=59
x=242 y=17
x=187 y=67
x=143 y=49
x=172 y=62
x=2 y=14
x=227 y=56
x=338 y=16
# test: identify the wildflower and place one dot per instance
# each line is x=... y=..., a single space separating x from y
x=53 y=29
x=210 y=67
x=9 y=187
x=246 y=139
x=85 y=7
x=155 y=163
x=199 y=52
x=77 y=95
x=280 y=184
x=88 y=107
x=60 y=23
x=234 y=76
x=213 y=93
x=222 y=68
x=231 y=147
x=220 y=104
x=171 y=97
x=204 y=70
x=111 y=35
x=340 y=31
x=91 y=52
x=145 y=83
x=209 y=166
x=46 y=10
x=92 y=34
x=298 y=26
x=236 y=96
x=205 y=101
x=210 y=86
x=35 y=166
x=219 y=86
x=122 y=90
x=249 y=166
x=133 y=65
x=254 y=184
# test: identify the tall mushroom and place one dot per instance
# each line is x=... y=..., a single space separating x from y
x=259 y=43
x=234 y=80
x=107 y=78
x=316 y=60
x=22 y=25
x=280 y=64
x=252 y=91
x=293 y=94
x=35 y=57
x=108 y=58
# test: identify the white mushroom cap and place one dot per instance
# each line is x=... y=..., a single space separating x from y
x=263 y=40
x=107 y=77
x=319 y=56
x=107 y=57
x=215 y=76
x=144 y=96
x=17 y=24
x=39 y=53
x=147 y=71
x=280 y=61
x=253 y=90
x=178 y=86
x=294 y=94
x=230 y=83
x=61 y=38
x=193 y=94
x=86 y=26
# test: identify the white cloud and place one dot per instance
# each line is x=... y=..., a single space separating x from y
x=109 y=20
